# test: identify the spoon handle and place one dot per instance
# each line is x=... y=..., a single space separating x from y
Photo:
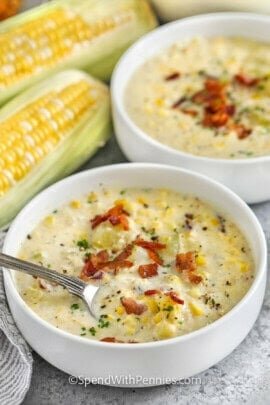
x=74 y=285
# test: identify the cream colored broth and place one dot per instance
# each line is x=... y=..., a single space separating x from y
x=222 y=274
x=240 y=66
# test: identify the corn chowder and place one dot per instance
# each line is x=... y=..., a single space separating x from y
x=207 y=97
x=168 y=264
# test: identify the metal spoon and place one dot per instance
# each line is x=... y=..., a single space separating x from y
x=74 y=285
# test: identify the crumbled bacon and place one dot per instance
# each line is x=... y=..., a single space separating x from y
x=244 y=80
x=100 y=261
x=175 y=297
x=151 y=292
x=189 y=111
x=155 y=257
x=91 y=266
x=111 y=339
x=216 y=110
x=148 y=270
x=116 y=215
x=186 y=264
x=149 y=245
x=186 y=261
x=151 y=248
x=125 y=253
x=194 y=278
x=133 y=307
x=178 y=102
x=46 y=285
x=172 y=76
x=241 y=131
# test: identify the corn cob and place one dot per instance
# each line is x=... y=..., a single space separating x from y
x=85 y=34
x=47 y=132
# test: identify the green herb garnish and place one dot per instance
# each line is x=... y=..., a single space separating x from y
x=75 y=306
x=102 y=323
x=83 y=243
x=93 y=331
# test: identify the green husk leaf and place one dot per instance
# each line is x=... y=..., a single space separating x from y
x=102 y=53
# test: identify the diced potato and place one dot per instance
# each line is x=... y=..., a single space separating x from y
x=195 y=309
x=131 y=325
x=165 y=330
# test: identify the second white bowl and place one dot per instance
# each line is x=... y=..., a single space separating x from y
x=249 y=178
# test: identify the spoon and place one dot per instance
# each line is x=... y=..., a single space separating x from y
x=74 y=285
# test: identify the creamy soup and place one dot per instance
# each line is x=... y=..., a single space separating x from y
x=168 y=264
x=207 y=97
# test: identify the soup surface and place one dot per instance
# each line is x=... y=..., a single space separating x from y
x=168 y=264
x=207 y=97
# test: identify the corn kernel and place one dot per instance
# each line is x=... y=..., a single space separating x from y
x=120 y=310
x=195 y=309
x=92 y=197
x=158 y=317
x=152 y=305
x=215 y=221
x=200 y=260
x=75 y=204
x=49 y=220
x=244 y=267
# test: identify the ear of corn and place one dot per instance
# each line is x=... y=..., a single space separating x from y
x=47 y=132
x=86 y=34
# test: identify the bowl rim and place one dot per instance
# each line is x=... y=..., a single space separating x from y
x=118 y=101
x=258 y=279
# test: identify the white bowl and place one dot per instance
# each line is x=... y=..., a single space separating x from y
x=249 y=178
x=156 y=362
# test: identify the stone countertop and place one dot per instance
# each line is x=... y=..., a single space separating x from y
x=242 y=378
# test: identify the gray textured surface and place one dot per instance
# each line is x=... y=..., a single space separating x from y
x=242 y=378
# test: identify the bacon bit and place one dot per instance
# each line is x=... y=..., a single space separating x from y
x=116 y=265
x=45 y=285
x=218 y=119
x=97 y=276
x=186 y=261
x=245 y=80
x=173 y=76
x=101 y=261
x=216 y=111
x=175 y=297
x=149 y=245
x=133 y=307
x=155 y=257
x=148 y=270
x=151 y=292
x=186 y=264
x=125 y=253
x=179 y=102
x=241 y=131
x=119 y=262
x=108 y=339
x=213 y=89
x=116 y=215
x=194 y=278
x=188 y=111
